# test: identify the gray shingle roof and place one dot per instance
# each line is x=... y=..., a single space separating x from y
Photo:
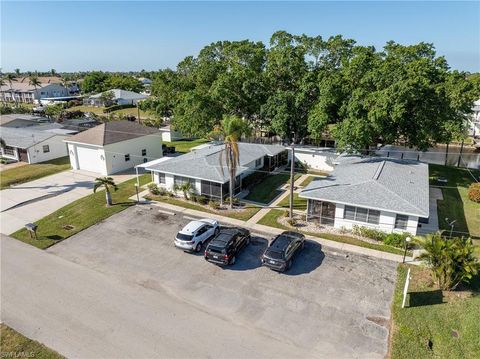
x=25 y=137
x=204 y=163
x=381 y=183
x=113 y=132
x=122 y=94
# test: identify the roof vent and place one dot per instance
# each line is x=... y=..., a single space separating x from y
x=379 y=170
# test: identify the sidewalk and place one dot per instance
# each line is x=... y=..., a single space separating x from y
x=258 y=216
x=272 y=231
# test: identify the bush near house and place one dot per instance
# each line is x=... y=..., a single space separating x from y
x=474 y=192
x=391 y=239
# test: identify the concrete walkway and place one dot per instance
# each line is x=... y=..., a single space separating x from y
x=259 y=215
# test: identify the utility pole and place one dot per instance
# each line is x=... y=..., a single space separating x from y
x=292 y=176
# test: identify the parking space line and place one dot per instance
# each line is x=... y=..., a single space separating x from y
x=167 y=212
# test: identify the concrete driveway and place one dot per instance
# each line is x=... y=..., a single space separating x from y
x=328 y=305
x=30 y=201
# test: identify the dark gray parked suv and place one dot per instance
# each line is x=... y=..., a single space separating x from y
x=279 y=254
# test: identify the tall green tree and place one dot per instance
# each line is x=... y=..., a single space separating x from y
x=232 y=129
x=94 y=82
x=35 y=82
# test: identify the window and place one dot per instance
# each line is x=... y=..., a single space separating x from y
x=144 y=152
x=258 y=162
x=179 y=180
x=362 y=214
x=46 y=148
x=127 y=157
x=349 y=213
x=401 y=222
x=161 y=178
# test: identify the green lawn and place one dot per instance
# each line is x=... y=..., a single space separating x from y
x=307 y=181
x=93 y=109
x=455 y=204
x=15 y=345
x=270 y=219
x=80 y=214
x=298 y=203
x=184 y=146
x=244 y=215
x=31 y=172
x=266 y=191
x=430 y=315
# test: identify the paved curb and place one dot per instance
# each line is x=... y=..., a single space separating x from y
x=270 y=231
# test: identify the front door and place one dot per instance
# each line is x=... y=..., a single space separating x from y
x=22 y=154
x=328 y=213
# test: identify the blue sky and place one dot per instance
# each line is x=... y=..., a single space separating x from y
x=133 y=35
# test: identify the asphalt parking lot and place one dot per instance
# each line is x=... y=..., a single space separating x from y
x=329 y=304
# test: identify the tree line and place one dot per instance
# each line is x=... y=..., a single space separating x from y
x=303 y=87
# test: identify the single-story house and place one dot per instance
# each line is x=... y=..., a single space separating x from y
x=21 y=90
x=474 y=121
x=34 y=144
x=120 y=97
x=113 y=147
x=208 y=175
x=169 y=135
x=382 y=193
x=18 y=120
x=316 y=158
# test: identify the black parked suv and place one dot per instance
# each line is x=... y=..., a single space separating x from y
x=224 y=248
x=279 y=254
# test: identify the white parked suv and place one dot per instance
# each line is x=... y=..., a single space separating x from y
x=194 y=234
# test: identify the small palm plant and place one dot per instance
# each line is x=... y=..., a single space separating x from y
x=186 y=189
x=108 y=183
x=35 y=82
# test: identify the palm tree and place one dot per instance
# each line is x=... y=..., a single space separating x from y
x=17 y=72
x=10 y=78
x=452 y=261
x=232 y=129
x=108 y=183
x=2 y=83
x=53 y=72
x=35 y=82
x=186 y=188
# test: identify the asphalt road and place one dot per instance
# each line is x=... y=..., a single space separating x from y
x=82 y=313
x=329 y=305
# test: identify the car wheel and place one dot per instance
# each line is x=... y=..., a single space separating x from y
x=198 y=248
x=232 y=261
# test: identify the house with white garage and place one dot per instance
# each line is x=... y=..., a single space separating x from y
x=382 y=193
x=114 y=147
x=34 y=144
x=208 y=174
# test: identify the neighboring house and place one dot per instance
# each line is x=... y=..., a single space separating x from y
x=21 y=120
x=169 y=135
x=145 y=82
x=381 y=193
x=202 y=168
x=120 y=97
x=317 y=158
x=22 y=91
x=474 y=122
x=34 y=144
x=113 y=147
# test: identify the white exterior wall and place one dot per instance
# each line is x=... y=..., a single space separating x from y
x=57 y=148
x=170 y=183
x=115 y=152
x=253 y=168
x=386 y=222
x=51 y=90
x=169 y=135
x=13 y=156
x=318 y=159
x=87 y=157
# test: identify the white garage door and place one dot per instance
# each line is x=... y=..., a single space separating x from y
x=89 y=159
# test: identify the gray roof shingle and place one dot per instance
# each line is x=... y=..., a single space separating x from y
x=25 y=137
x=381 y=183
x=204 y=163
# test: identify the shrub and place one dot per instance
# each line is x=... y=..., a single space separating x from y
x=162 y=191
x=474 y=192
x=194 y=198
x=202 y=200
x=286 y=213
x=214 y=204
x=396 y=239
x=153 y=189
x=292 y=222
x=117 y=107
x=369 y=233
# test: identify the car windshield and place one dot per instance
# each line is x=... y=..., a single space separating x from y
x=274 y=254
x=184 y=237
